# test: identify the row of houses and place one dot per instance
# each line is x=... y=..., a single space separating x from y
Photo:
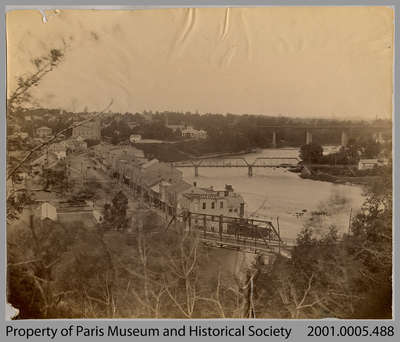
x=55 y=153
x=88 y=130
x=162 y=186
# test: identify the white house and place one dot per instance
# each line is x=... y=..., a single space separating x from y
x=365 y=164
x=134 y=138
x=190 y=132
x=48 y=211
x=98 y=216
x=44 y=132
x=59 y=149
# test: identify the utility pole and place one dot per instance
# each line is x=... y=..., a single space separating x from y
x=82 y=172
x=47 y=167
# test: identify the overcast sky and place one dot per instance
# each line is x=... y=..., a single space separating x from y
x=296 y=61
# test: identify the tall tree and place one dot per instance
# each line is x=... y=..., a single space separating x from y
x=311 y=153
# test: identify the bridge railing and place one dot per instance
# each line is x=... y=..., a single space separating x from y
x=240 y=162
x=228 y=228
x=275 y=161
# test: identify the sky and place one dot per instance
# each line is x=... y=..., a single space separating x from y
x=322 y=62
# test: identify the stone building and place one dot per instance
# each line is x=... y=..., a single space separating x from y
x=90 y=130
x=44 y=132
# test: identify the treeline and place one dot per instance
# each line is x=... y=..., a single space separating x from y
x=229 y=133
x=363 y=147
x=119 y=131
x=226 y=132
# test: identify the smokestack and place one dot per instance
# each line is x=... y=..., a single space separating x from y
x=241 y=209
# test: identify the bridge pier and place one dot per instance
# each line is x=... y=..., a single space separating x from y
x=274 y=139
x=196 y=171
x=308 y=137
x=250 y=171
x=344 y=139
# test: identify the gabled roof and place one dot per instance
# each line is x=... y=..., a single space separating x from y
x=48 y=211
x=42 y=158
x=179 y=187
x=150 y=163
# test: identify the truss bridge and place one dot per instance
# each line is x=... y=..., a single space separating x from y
x=261 y=162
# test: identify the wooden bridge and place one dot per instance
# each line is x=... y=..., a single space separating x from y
x=261 y=162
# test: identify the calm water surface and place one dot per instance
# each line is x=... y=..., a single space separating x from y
x=273 y=193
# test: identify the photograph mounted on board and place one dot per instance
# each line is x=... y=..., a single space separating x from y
x=200 y=163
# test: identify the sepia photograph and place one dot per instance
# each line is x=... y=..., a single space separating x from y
x=199 y=163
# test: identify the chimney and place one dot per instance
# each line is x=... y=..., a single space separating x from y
x=228 y=187
x=241 y=213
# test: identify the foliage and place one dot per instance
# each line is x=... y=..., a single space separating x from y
x=56 y=178
x=16 y=203
x=329 y=275
x=371 y=242
x=92 y=142
x=311 y=153
x=115 y=214
x=33 y=254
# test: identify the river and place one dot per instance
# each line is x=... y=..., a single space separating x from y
x=273 y=193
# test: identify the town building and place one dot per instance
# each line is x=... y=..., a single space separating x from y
x=90 y=130
x=152 y=174
x=213 y=202
x=46 y=160
x=44 y=132
x=190 y=132
x=59 y=149
x=365 y=164
x=127 y=154
x=379 y=138
x=176 y=128
x=216 y=202
x=76 y=144
x=19 y=135
x=171 y=194
x=47 y=211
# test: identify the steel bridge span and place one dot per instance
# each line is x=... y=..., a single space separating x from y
x=261 y=162
x=237 y=233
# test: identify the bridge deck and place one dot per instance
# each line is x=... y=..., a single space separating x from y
x=240 y=162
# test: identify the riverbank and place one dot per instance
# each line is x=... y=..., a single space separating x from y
x=326 y=177
x=172 y=153
x=345 y=175
x=224 y=154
